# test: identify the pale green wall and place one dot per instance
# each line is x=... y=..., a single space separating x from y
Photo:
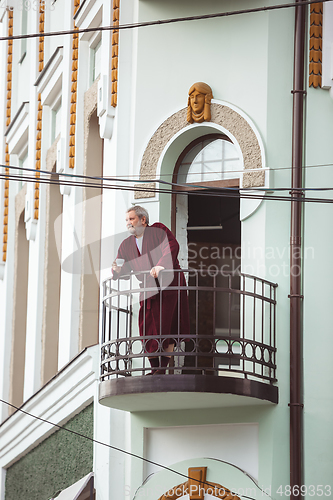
x=318 y=311
x=273 y=435
x=172 y=57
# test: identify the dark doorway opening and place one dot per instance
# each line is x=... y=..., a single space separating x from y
x=214 y=251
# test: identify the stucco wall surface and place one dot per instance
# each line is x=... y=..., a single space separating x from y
x=56 y=463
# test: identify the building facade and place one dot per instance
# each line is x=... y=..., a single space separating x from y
x=193 y=119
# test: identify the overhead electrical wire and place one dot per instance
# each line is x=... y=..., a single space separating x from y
x=161 y=22
x=236 y=192
x=42 y=180
x=270 y=169
x=169 y=21
x=132 y=455
x=136 y=177
x=203 y=191
x=147 y=181
x=191 y=189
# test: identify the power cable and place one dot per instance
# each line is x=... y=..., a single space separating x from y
x=161 y=22
x=161 y=181
x=132 y=455
x=216 y=192
x=42 y=180
x=202 y=190
x=136 y=177
x=145 y=181
x=270 y=169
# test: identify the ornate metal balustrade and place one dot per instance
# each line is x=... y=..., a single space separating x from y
x=232 y=327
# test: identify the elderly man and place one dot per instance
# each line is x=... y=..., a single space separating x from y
x=154 y=248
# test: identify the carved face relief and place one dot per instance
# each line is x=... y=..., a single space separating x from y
x=199 y=101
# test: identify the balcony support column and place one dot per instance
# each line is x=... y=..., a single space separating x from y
x=296 y=400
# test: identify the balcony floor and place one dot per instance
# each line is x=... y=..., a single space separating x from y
x=183 y=392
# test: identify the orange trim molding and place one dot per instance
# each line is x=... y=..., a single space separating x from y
x=114 y=55
x=72 y=122
x=8 y=119
x=39 y=109
x=316 y=33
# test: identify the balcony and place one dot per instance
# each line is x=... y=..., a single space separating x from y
x=228 y=358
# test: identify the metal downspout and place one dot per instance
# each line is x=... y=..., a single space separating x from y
x=296 y=405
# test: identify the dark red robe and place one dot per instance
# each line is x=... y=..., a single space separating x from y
x=159 y=248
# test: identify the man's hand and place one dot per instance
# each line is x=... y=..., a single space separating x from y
x=155 y=271
x=115 y=268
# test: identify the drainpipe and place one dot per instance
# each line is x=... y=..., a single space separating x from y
x=296 y=405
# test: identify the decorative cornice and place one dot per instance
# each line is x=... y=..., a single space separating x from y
x=54 y=62
x=17 y=134
x=8 y=117
x=114 y=54
x=76 y=12
x=16 y=118
x=316 y=32
x=72 y=122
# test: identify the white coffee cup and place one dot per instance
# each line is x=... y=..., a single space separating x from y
x=120 y=262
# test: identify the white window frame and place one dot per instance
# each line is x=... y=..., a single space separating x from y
x=56 y=108
x=24 y=31
x=22 y=157
x=94 y=45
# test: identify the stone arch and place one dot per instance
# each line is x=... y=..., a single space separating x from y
x=232 y=120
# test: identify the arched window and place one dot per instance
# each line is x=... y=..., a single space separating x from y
x=210 y=159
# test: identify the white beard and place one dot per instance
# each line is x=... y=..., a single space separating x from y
x=137 y=230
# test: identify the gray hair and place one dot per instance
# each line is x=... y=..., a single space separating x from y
x=140 y=212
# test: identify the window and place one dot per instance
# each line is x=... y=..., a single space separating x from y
x=24 y=31
x=96 y=60
x=56 y=122
x=23 y=163
x=210 y=160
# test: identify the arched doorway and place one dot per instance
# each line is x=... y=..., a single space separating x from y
x=206 y=222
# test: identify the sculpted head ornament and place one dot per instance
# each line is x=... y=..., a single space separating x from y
x=198 y=104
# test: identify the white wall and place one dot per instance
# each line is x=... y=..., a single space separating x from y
x=234 y=443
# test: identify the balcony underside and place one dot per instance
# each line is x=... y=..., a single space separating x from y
x=183 y=392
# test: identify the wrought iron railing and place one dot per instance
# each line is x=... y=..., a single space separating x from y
x=232 y=327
